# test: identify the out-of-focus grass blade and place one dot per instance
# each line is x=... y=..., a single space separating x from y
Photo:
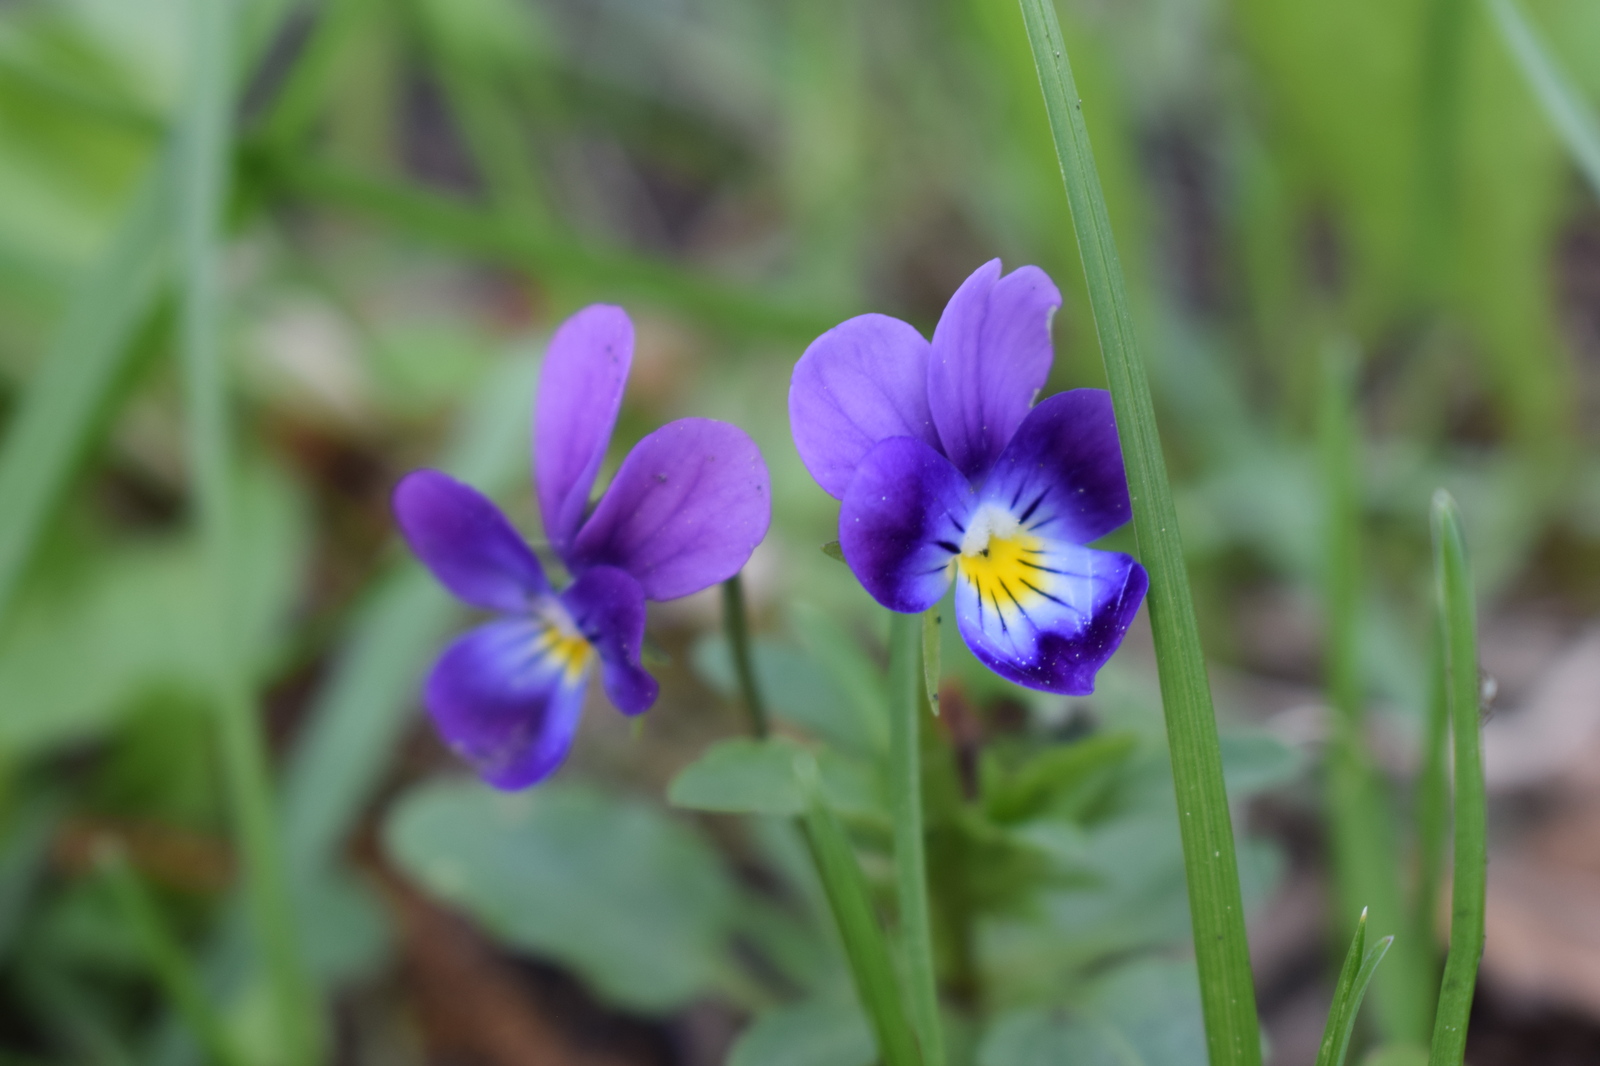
x=1359 y=966
x=1458 y=622
x=1360 y=809
x=357 y=717
x=1573 y=117
x=579 y=265
x=22 y=862
x=910 y=851
x=204 y=159
x=168 y=960
x=60 y=408
x=1227 y=990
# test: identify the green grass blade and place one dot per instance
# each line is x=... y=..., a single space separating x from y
x=1433 y=815
x=60 y=410
x=1221 y=952
x=1365 y=850
x=1459 y=623
x=613 y=273
x=1573 y=117
x=864 y=945
x=168 y=960
x=204 y=159
x=1354 y=977
x=910 y=859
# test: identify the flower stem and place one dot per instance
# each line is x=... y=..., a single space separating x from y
x=1459 y=626
x=910 y=861
x=864 y=945
x=204 y=154
x=1227 y=990
x=736 y=621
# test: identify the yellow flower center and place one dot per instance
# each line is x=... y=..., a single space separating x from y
x=560 y=642
x=998 y=557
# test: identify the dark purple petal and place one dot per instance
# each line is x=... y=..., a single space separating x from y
x=991 y=355
x=507 y=696
x=862 y=382
x=607 y=606
x=902 y=521
x=1050 y=616
x=468 y=544
x=580 y=391
x=1062 y=476
x=689 y=505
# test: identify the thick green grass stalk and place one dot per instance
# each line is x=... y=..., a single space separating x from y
x=1365 y=850
x=906 y=701
x=204 y=157
x=864 y=944
x=168 y=960
x=1432 y=816
x=64 y=401
x=1573 y=117
x=1216 y=906
x=1458 y=622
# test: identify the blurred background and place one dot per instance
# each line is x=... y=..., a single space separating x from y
x=422 y=189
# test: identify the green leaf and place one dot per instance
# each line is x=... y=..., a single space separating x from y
x=1573 y=116
x=742 y=776
x=1056 y=771
x=746 y=776
x=1228 y=989
x=860 y=721
x=1254 y=760
x=833 y=551
x=819 y=1032
x=1144 y=1014
x=1396 y=1055
x=1354 y=977
x=633 y=901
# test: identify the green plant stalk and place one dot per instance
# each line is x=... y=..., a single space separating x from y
x=1364 y=846
x=1439 y=136
x=906 y=702
x=1469 y=883
x=736 y=623
x=1432 y=817
x=1216 y=906
x=168 y=961
x=1359 y=966
x=60 y=409
x=864 y=944
x=204 y=154
x=1573 y=117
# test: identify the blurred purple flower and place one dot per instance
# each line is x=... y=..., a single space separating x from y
x=685 y=510
x=947 y=472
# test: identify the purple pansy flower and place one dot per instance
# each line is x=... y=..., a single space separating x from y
x=685 y=510
x=946 y=471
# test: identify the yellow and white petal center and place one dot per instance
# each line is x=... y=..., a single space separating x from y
x=1001 y=560
x=558 y=642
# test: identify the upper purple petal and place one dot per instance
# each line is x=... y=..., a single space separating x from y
x=607 y=606
x=686 y=509
x=580 y=390
x=1063 y=469
x=468 y=544
x=991 y=355
x=507 y=698
x=902 y=521
x=862 y=382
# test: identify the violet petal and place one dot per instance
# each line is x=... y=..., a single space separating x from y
x=686 y=509
x=991 y=355
x=902 y=521
x=580 y=391
x=1062 y=473
x=862 y=382
x=461 y=536
x=607 y=606
x=507 y=696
